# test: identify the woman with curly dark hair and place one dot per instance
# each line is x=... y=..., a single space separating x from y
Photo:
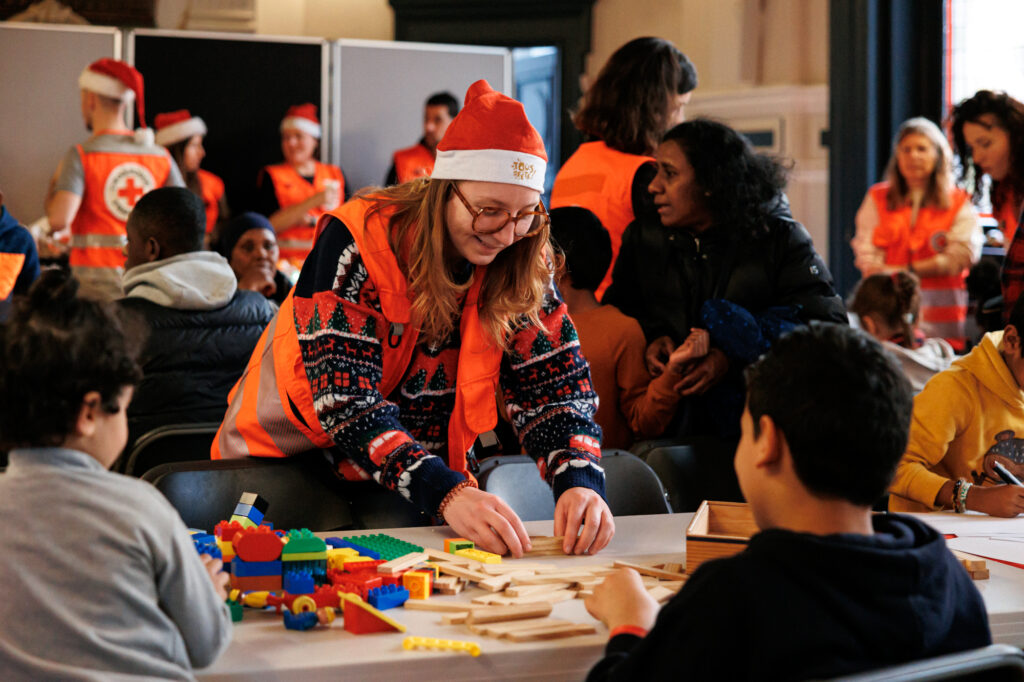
x=721 y=260
x=988 y=131
x=638 y=95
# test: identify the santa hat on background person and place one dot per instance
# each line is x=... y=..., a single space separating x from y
x=302 y=117
x=117 y=80
x=491 y=140
x=176 y=126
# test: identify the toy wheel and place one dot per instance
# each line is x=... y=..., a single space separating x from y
x=303 y=604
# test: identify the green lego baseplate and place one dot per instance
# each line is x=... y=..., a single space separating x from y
x=387 y=546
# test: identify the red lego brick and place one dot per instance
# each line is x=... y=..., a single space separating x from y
x=271 y=583
x=258 y=544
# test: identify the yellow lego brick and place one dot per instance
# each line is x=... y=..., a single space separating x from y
x=472 y=648
x=480 y=555
x=244 y=520
x=304 y=556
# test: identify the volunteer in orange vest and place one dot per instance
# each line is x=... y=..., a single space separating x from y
x=417 y=305
x=988 y=129
x=182 y=134
x=918 y=220
x=418 y=160
x=19 y=260
x=100 y=180
x=295 y=193
x=639 y=94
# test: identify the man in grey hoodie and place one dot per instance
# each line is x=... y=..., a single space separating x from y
x=201 y=327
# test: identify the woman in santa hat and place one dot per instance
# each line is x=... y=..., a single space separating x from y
x=182 y=134
x=295 y=193
x=418 y=307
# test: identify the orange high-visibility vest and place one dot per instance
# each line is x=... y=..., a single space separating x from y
x=291 y=188
x=943 y=299
x=114 y=182
x=10 y=268
x=271 y=411
x=212 y=190
x=600 y=179
x=413 y=162
x=1007 y=218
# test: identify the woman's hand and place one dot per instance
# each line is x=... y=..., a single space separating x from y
x=704 y=374
x=622 y=600
x=1000 y=500
x=583 y=507
x=487 y=521
x=658 y=353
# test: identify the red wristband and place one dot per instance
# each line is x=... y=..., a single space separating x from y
x=628 y=630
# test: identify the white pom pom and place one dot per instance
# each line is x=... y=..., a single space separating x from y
x=145 y=137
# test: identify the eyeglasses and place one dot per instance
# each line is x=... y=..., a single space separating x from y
x=491 y=219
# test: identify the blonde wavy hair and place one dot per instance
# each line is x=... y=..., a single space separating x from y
x=940 y=184
x=513 y=290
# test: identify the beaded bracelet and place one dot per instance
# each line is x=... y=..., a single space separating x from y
x=956 y=492
x=961 y=501
x=468 y=483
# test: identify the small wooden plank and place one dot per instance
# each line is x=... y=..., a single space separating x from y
x=672 y=568
x=547 y=540
x=501 y=614
x=551 y=632
x=402 y=563
x=674 y=585
x=459 y=586
x=983 y=574
x=513 y=566
x=464 y=573
x=498 y=583
x=438 y=605
x=661 y=594
x=500 y=629
x=546 y=579
x=526 y=590
x=454 y=618
x=653 y=572
x=445 y=558
x=970 y=561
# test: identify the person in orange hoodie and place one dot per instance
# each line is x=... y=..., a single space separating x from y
x=966 y=420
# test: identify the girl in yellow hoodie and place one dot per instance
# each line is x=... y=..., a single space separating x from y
x=966 y=419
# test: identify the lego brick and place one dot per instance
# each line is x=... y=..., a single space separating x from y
x=226 y=530
x=453 y=545
x=362 y=618
x=479 y=555
x=362 y=564
x=305 y=620
x=343 y=543
x=303 y=556
x=258 y=544
x=472 y=648
x=386 y=546
x=244 y=569
x=235 y=607
x=255 y=501
x=298 y=582
x=418 y=583
x=303 y=541
x=257 y=583
x=387 y=597
x=243 y=521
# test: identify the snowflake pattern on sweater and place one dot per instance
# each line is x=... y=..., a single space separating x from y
x=400 y=440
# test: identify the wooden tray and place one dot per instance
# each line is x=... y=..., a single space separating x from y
x=718 y=529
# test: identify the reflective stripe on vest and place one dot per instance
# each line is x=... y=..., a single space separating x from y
x=413 y=162
x=600 y=179
x=82 y=241
x=943 y=299
x=212 y=189
x=271 y=410
x=10 y=268
x=290 y=188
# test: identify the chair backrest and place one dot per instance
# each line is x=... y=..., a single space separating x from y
x=990 y=663
x=171 y=443
x=516 y=480
x=632 y=487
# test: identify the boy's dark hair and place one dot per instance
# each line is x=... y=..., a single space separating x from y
x=57 y=347
x=843 y=405
x=1017 y=319
x=585 y=243
x=174 y=216
x=444 y=99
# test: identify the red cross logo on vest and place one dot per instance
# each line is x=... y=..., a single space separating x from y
x=125 y=186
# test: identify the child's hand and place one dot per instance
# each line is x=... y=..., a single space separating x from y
x=696 y=346
x=1000 y=500
x=622 y=600
x=218 y=577
x=704 y=374
x=657 y=354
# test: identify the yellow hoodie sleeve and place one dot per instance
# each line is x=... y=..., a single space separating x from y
x=942 y=412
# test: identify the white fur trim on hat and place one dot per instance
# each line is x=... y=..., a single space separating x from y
x=301 y=124
x=491 y=165
x=105 y=85
x=183 y=130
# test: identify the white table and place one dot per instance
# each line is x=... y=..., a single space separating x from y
x=263 y=649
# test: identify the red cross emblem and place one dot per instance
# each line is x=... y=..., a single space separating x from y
x=129 y=192
x=125 y=185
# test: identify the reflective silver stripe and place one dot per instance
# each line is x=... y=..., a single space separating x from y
x=271 y=414
x=938 y=298
x=295 y=244
x=112 y=241
x=230 y=442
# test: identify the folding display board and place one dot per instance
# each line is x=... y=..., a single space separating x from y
x=379 y=88
x=40 y=106
x=241 y=86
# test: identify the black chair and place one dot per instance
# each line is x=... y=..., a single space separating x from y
x=301 y=492
x=631 y=486
x=170 y=443
x=993 y=663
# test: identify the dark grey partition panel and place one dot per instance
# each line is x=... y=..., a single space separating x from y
x=40 y=108
x=380 y=88
x=241 y=85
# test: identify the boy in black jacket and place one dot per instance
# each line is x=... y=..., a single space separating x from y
x=825 y=588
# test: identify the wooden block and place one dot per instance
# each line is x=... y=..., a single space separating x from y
x=661 y=594
x=537 y=541
x=551 y=632
x=602 y=569
x=506 y=613
x=402 y=563
x=552 y=597
x=547 y=579
x=980 y=575
x=653 y=572
x=526 y=590
x=970 y=562
x=454 y=618
x=583 y=594
x=513 y=566
x=674 y=585
x=446 y=581
x=439 y=606
x=464 y=573
x=444 y=558
x=498 y=583
x=500 y=629
x=672 y=568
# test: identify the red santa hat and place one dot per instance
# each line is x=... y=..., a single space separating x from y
x=491 y=140
x=117 y=80
x=176 y=126
x=302 y=117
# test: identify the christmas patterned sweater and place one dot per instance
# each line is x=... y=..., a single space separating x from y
x=400 y=440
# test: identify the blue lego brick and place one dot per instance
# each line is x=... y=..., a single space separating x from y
x=387 y=597
x=300 y=621
x=249 y=512
x=210 y=548
x=204 y=537
x=255 y=501
x=337 y=543
x=248 y=569
x=299 y=582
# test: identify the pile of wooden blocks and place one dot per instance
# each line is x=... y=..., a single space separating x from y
x=975 y=565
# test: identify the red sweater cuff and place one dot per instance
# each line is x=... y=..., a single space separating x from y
x=628 y=630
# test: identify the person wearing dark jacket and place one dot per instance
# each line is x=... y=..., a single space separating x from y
x=19 y=260
x=825 y=588
x=201 y=327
